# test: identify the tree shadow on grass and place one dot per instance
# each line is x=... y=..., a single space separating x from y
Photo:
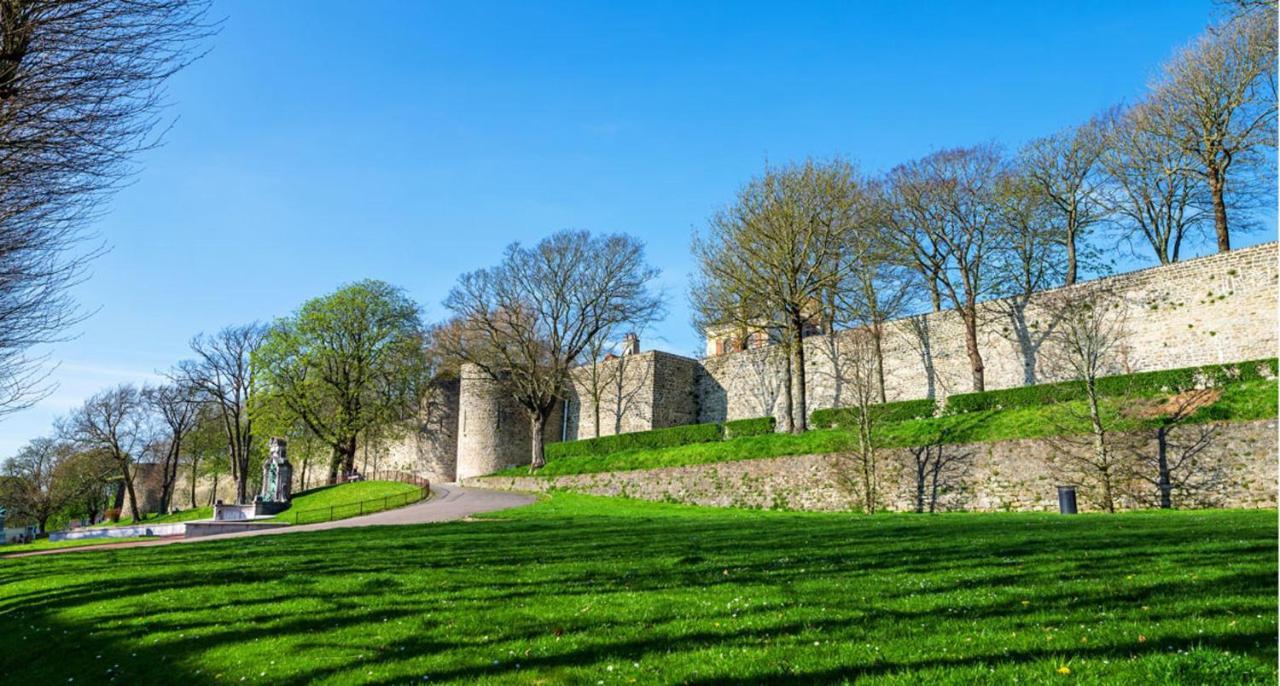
x=446 y=599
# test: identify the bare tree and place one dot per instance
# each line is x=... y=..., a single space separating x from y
x=879 y=287
x=1148 y=191
x=177 y=409
x=1215 y=101
x=1028 y=260
x=946 y=214
x=206 y=446
x=863 y=390
x=1088 y=344
x=527 y=321
x=223 y=377
x=113 y=422
x=1065 y=168
x=768 y=261
x=81 y=93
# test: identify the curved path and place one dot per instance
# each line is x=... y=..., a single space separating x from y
x=447 y=503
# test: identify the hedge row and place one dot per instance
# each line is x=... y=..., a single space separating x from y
x=847 y=417
x=1144 y=383
x=640 y=440
x=758 y=426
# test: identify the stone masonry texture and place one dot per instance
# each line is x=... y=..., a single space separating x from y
x=1209 y=310
x=1022 y=475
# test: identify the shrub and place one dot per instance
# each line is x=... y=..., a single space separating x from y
x=1143 y=383
x=640 y=440
x=112 y=514
x=887 y=412
x=758 y=426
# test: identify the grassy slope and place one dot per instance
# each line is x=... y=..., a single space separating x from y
x=1244 y=401
x=324 y=497
x=592 y=590
x=46 y=544
x=344 y=497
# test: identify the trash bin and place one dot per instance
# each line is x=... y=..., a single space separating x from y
x=1067 y=499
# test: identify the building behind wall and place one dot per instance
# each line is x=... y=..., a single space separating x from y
x=1210 y=310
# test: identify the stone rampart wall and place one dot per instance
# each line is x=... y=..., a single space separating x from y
x=1236 y=469
x=1215 y=309
x=429 y=448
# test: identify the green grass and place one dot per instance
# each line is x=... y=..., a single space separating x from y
x=581 y=590
x=1239 y=402
x=346 y=500
x=46 y=544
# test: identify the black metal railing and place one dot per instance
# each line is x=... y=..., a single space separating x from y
x=364 y=507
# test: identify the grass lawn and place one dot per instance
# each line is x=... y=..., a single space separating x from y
x=348 y=500
x=583 y=590
x=46 y=544
x=1239 y=402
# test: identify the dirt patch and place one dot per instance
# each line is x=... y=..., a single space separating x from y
x=1180 y=405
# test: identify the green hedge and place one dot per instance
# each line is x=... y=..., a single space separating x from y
x=1144 y=383
x=758 y=426
x=887 y=412
x=640 y=440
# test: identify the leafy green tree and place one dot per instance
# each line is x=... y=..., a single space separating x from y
x=30 y=487
x=344 y=364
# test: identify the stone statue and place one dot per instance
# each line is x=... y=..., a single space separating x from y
x=277 y=474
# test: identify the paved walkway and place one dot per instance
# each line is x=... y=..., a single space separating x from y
x=448 y=502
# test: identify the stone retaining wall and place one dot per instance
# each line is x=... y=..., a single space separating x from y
x=1236 y=468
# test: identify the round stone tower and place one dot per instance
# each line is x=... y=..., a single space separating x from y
x=493 y=429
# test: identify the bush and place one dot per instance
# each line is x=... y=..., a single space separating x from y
x=758 y=426
x=640 y=440
x=887 y=412
x=1143 y=383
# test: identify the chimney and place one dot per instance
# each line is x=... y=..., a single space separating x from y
x=630 y=344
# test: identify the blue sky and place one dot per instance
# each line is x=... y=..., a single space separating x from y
x=411 y=142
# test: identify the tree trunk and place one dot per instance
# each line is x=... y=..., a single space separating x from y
x=213 y=493
x=1219 y=210
x=335 y=461
x=133 y=498
x=195 y=463
x=877 y=333
x=537 y=459
x=596 y=415
x=1101 y=460
x=970 y=316
x=241 y=466
x=800 y=421
x=788 y=425
x=1071 y=248
x=1162 y=461
x=348 y=450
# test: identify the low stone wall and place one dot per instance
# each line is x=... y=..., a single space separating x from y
x=1234 y=466
x=121 y=532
